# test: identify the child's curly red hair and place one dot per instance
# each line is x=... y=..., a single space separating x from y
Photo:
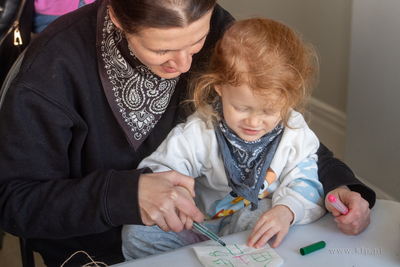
x=265 y=55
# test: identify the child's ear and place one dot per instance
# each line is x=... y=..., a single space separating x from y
x=218 y=89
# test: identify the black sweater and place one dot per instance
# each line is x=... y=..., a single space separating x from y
x=68 y=177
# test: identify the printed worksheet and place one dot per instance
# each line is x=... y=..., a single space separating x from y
x=238 y=255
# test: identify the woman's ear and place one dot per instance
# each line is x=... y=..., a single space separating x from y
x=114 y=19
x=218 y=89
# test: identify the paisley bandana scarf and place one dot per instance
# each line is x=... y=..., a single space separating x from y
x=246 y=163
x=136 y=95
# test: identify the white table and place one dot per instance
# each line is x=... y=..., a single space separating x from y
x=378 y=245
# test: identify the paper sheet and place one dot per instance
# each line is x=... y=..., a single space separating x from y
x=238 y=255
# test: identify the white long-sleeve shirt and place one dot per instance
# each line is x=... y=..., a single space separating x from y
x=191 y=148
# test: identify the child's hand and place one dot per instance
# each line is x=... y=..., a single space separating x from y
x=186 y=220
x=275 y=221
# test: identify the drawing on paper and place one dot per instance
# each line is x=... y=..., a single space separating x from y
x=238 y=255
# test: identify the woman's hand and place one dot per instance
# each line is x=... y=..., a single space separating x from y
x=358 y=218
x=160 y=200
x=275 y=221
x=186 y=220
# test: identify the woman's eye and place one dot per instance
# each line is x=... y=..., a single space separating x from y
x=160 y=53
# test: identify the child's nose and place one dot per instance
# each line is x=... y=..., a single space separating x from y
x=254 y=121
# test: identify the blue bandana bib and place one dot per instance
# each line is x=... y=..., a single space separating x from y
x=246 y=163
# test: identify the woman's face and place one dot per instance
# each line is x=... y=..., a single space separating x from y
x=168 y=52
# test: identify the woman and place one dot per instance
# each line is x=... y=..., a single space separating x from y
x=99 y=90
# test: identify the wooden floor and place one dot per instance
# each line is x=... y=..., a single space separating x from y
x=10 y=255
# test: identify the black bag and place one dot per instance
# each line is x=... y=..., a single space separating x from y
x=16 y=22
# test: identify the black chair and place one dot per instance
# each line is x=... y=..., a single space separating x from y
x=27 y=257
x=26 y=252
x=1 y=237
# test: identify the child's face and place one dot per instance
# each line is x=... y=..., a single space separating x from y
x=248 y=115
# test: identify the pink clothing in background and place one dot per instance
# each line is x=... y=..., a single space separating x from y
x=57 y=7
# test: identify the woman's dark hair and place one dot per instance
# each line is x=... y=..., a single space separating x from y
x=135 y=15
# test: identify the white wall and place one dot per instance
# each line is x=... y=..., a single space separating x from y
x=326 y=24
x=373 y=112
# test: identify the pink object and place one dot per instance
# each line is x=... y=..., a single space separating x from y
x=57 y=7
x=338 y=205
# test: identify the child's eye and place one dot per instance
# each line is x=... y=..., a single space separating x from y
x=269 y=112
x=241 y=109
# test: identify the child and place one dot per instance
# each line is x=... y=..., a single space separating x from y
x=250 y=150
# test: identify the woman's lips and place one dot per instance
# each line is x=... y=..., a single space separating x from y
x=168 y=69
